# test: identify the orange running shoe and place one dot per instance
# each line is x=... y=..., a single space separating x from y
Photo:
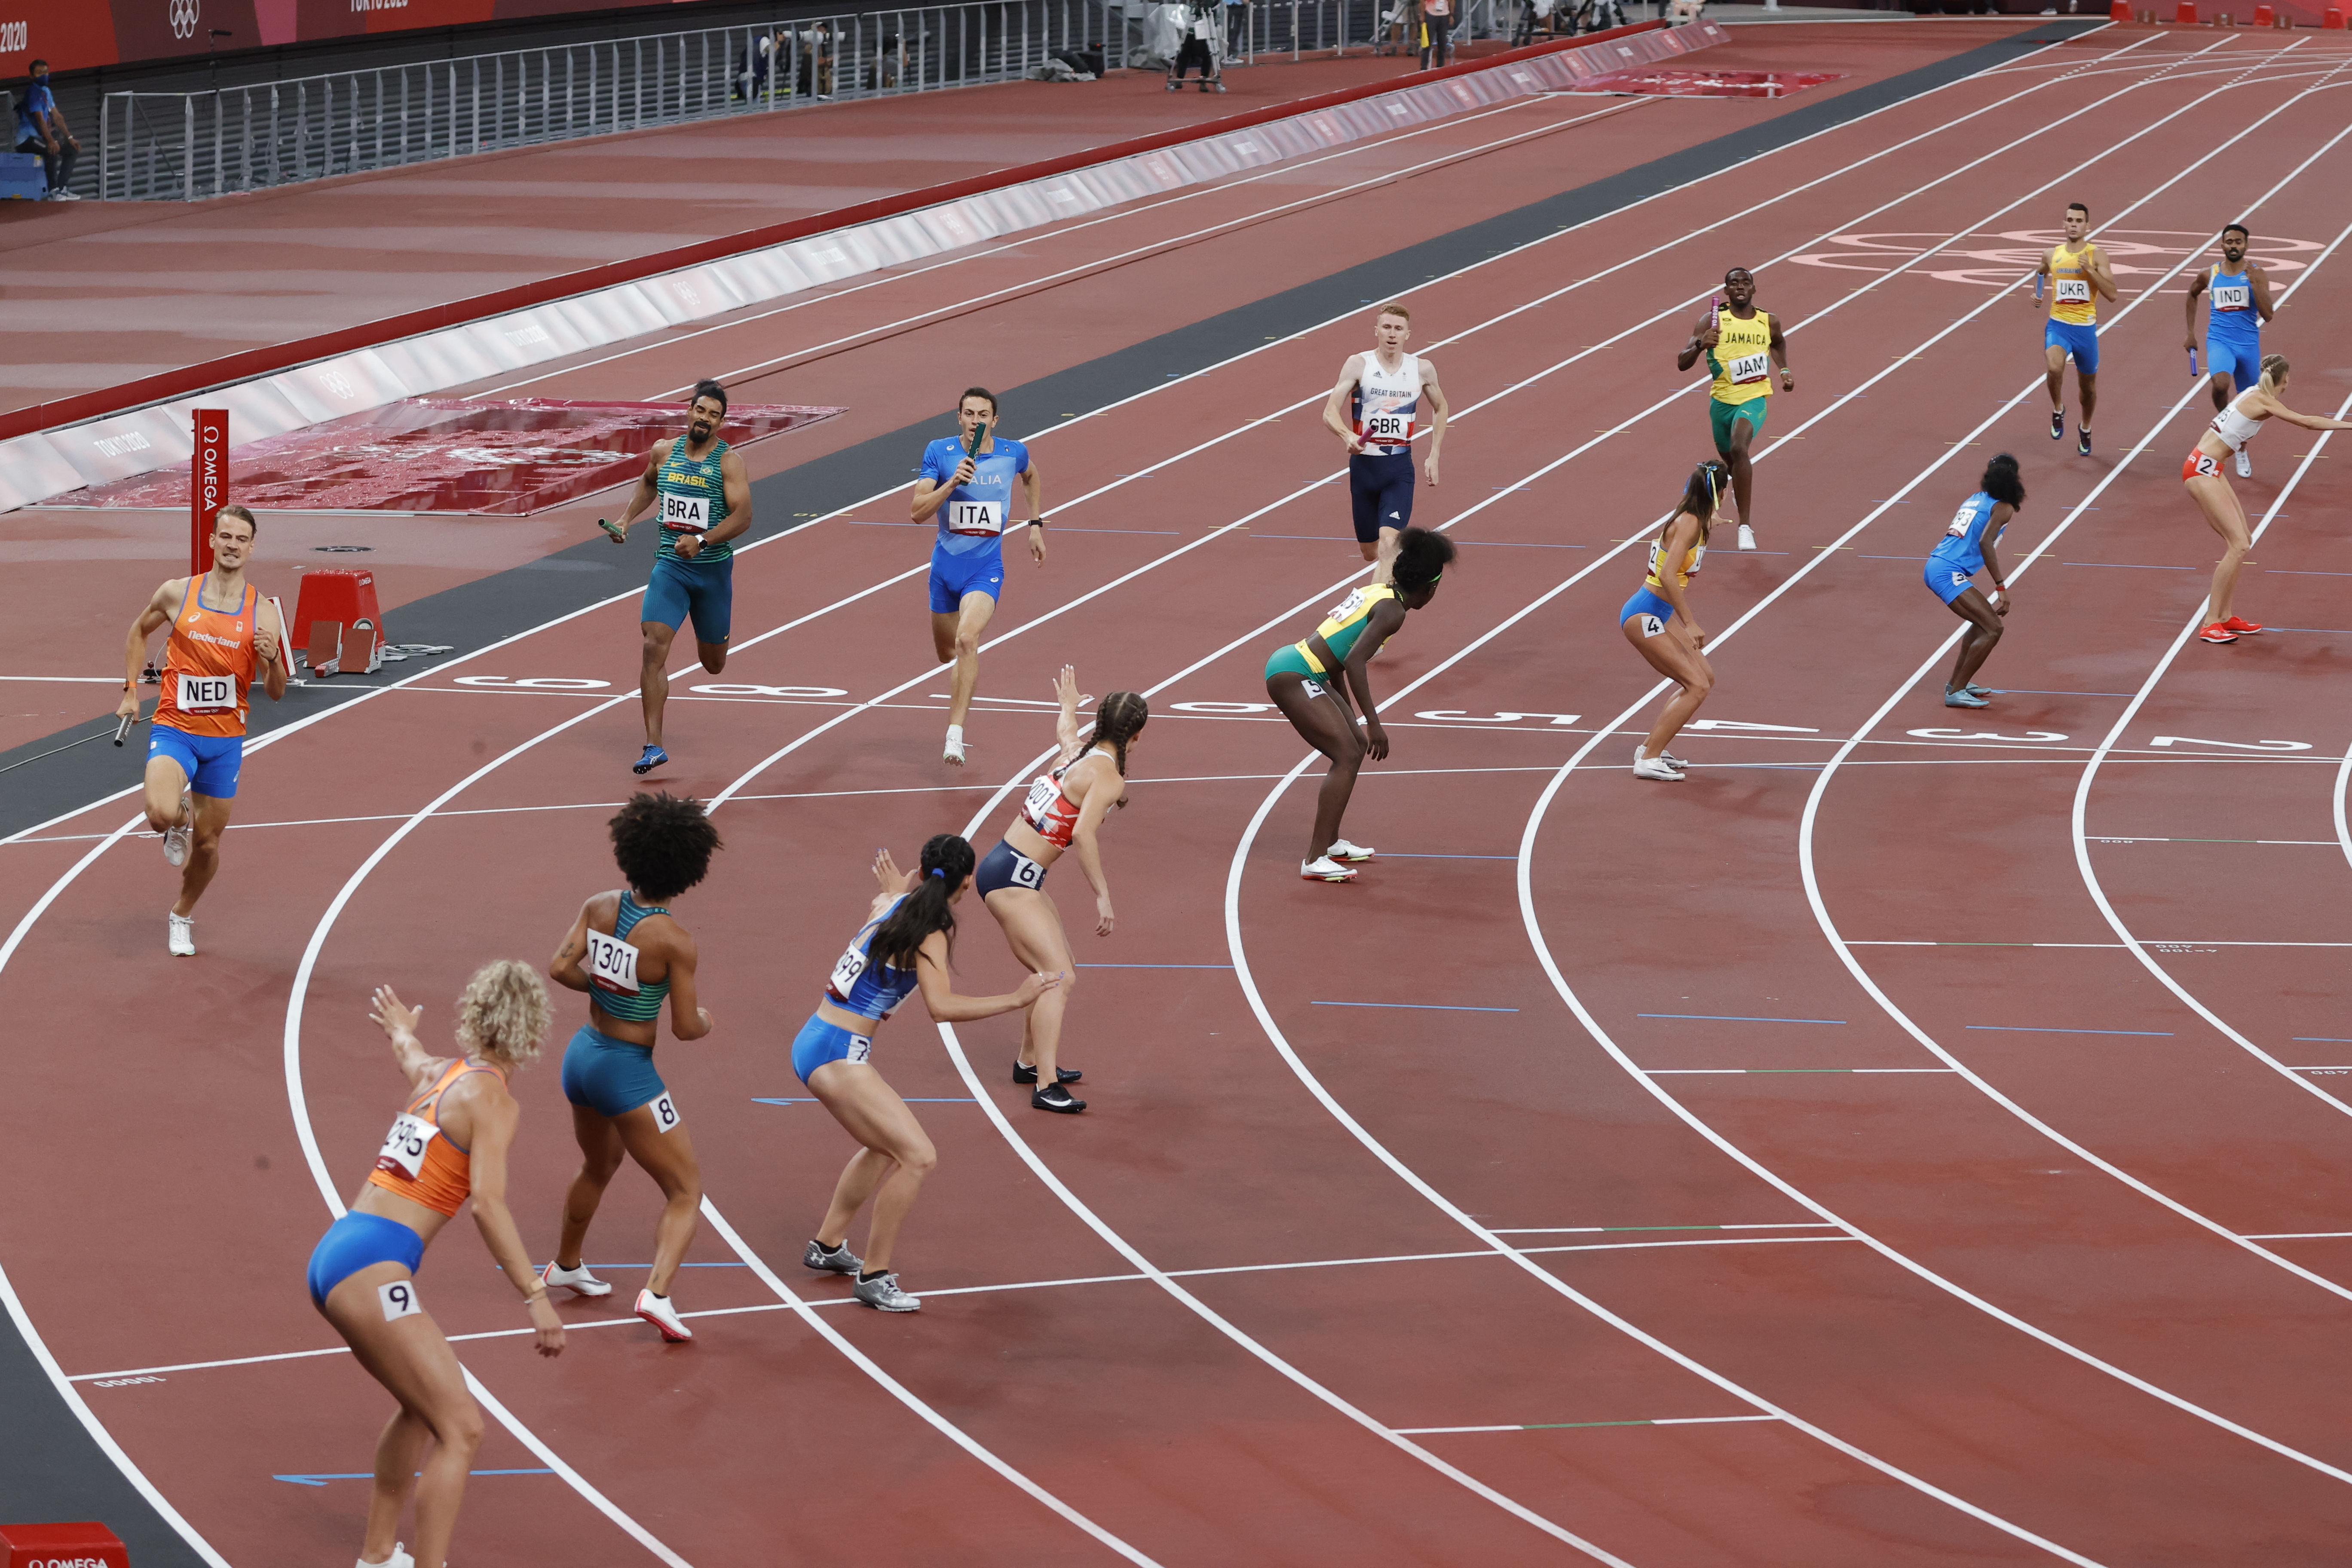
x=2219 y=632
x=2243 y=627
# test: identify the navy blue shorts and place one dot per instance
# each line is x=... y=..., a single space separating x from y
x=359 y=1241
x=211 y=761
x=702 y=589
x=819 y=1042
x=610 y=1077
x=1381 y=491
x=953 y=576
x=2241 y=360
x=2079 y=340
x=1006 y=867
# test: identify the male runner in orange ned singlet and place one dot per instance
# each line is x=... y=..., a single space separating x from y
x=223 y=630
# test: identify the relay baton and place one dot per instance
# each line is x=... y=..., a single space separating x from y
x=2192 y=364
x=609 y=526
x=124 y=728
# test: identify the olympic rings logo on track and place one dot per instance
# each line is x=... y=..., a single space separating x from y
x=185 y=15
x=1995 y=261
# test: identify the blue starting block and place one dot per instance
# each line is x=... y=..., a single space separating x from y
x=21 y=178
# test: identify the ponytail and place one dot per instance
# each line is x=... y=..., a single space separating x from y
x=947 y=863
x=1118 y=719
x=1422 y=555
x=2274 y=370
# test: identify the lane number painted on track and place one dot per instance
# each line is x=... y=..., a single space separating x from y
x=2233 y=746
x=1451 y=716
x=744 y=688
x=123 y=1381
x=1225 y=706
x=536 y=682
x=2043 y=735
x=1762 y=729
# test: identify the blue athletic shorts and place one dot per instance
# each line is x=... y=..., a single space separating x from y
x=2081 y=342
x=704 y=590
x=1381 y=491
x=610 y=1077
x=1646 y=602
x=1945 y=578
x=2239 y=360
x=819 y=1042
x=1005 y=867
x=953 y=576
x=211 y=761
x=358 y=1241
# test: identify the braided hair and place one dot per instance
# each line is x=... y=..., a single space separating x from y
x=947 y=861
x=1118 y=719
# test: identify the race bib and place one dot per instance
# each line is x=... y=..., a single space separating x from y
x=1651 y=625
x=207 y=693
x=1961 y=522
x=1312 y=687
x=1345 y=608
x=404 y=1146
x=612 y=962
x=686 y=514
x=2232 y=296
x=665 y=1108
x=845 y=974
x=1042 y=796
x=1750 y=368
x=975 y=516
x=1389 y=424
x=860 y=1048
x=2074 y=291
x=1026 y=873
x=399 y=1299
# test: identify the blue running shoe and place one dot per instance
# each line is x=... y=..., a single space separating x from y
x=1964 y=699
x=654 y=757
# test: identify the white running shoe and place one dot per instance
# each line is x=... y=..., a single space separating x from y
x=175 y=837
x=952 y=752
x=61 y=195
x=183 y=935
x=2245 y=464
x=1343 y=850
x=399 y=1559
x=1747 y=537
x=1649 y=767
x=1326 y=869
x=882 y=1293
x=662 y=1313
x=578 y=1281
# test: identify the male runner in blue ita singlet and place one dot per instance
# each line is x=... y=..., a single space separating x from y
x=967 y=484
x=701 y=497
x=2241 y=292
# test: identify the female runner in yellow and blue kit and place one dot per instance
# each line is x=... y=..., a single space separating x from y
x=449 y=1142
x=1650 y=617
x=1310 y=679
x=630 y=953
x=1967 y=547
x=906 y=941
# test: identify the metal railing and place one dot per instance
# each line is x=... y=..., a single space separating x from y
x=185 y=146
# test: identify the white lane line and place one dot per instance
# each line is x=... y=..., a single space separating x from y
x=1574 y=1425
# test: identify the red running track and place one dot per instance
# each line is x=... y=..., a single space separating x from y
x=1755 y=1172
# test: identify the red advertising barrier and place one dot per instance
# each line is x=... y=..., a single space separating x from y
x=61 y=1546
x=208 y=486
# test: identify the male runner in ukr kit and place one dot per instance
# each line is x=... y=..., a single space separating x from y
x=2076 y=272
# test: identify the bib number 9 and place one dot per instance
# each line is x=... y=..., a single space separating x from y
x=399 y=1299
x=612 y=963
x=1750 y=368
x=2233 y=297
x=207 y=693
x=975 y=516
x=404 y=1146
x=2074 y=291
x=685 y=514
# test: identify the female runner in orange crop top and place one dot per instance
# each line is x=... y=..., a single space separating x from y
x=449 y=1141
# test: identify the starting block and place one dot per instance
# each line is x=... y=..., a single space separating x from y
x=339 y=650
x=342 y=596
x=61 y=1546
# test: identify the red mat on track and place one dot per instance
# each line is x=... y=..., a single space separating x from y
x=436 y=454
x=1709 y=84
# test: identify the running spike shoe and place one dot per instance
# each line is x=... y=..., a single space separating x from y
x=1747 y=537
x=1342 y=850
x=652 y=758
x=1323 y=869
x=837 y=1260
x=1649 y=767
x=1053 y=1097
x=2245 y=464
x=2057 y=425
x=662 y=1313
x=578 y=1281
x=1964 y=697
x=1025 y=1072
x=2243 y=627
x=2082 y=440
x=175 y=837
x=2218 y=632
x=183 y=935
x=882 y=1294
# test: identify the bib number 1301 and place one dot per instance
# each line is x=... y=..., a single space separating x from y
x=612 y=962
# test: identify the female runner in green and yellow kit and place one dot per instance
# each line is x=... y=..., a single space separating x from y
x=1309 y=681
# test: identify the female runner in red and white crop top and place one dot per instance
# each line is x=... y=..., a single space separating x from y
x=1064 y=810
x=2201 y=477
x=449 y=1141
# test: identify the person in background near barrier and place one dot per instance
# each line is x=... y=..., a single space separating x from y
x=222 y=633
x=701 y=497
x=1063 y=810
x=1968 y=546
x=1374 y=410
x=967 y=484
x=1742 y=345
x=41 y=130
x=1204 y=24
x=2201 y=477
x=1310 y=679
x=1237 y=33
x=2076 y=273
x=449 y=1141
x=1437 y=32
x=908 y=941
x=2241 y=292
x=628 y=952
x=1658 y=622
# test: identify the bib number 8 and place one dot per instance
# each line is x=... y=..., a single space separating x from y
x=664 y=1110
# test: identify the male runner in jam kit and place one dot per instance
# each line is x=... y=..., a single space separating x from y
x=1742 y=345
x=222 y=631
x=967 y=484
x=703 y=500
x=2241 y=292
x=1373 y=410
x=2076 y=271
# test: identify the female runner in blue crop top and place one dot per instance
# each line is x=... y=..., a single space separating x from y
x=904 y=944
